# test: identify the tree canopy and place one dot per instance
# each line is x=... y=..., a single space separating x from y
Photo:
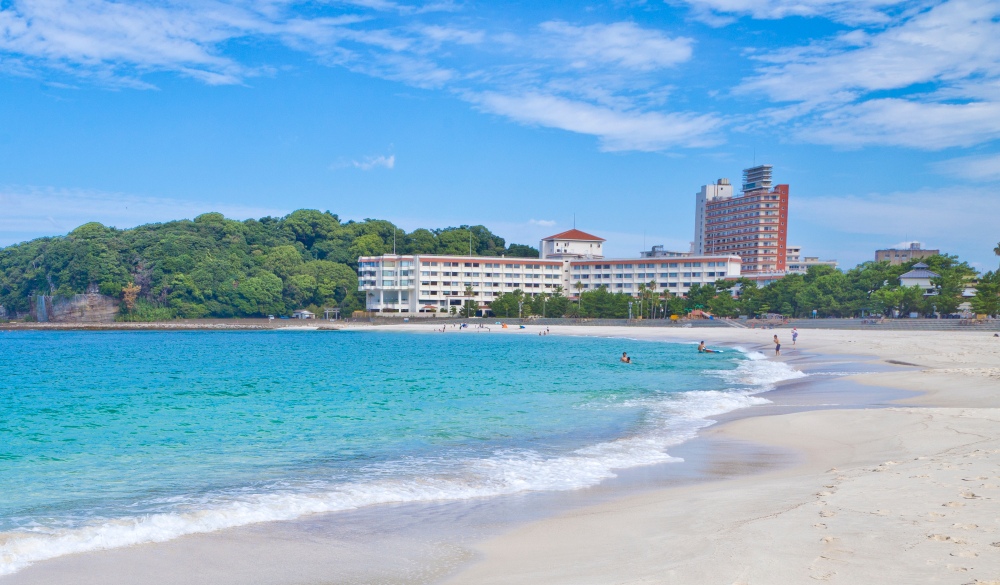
x=217 y=267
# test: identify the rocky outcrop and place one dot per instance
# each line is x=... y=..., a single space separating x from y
x=88 y=308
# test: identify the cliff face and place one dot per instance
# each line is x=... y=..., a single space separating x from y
x=88 y=308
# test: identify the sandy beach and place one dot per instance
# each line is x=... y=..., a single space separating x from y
x=908 y=493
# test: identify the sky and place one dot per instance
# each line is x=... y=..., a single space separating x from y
x=882 y=116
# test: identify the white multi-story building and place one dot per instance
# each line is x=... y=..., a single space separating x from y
x=720 y=190
x=675 y=275
x=429 y=284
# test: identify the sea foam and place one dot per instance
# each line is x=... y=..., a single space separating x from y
x=670 y=419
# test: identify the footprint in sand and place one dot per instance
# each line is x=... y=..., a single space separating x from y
x=823 y=526
x=939 y=537
x=827 y=514
x=829 y=539
x=953 y=505
x=824 y=494
x=970 y=496
x=966 y=554
x=965 y=526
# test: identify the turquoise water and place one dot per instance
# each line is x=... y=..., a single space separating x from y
x=113 y=438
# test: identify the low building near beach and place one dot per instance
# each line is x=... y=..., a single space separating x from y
x=430 y=284
x=303 y=314
x=921 y=276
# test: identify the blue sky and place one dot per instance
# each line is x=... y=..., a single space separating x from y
x=883 y=116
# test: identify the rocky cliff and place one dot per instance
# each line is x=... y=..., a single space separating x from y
x=88 y=308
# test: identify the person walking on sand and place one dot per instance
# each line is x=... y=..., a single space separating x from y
x=777 y=346
x=795 y=335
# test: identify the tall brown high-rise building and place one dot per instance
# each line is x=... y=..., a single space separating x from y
x=753 y=225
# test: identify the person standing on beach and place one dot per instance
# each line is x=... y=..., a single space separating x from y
x=777 y=346
x=795 y=335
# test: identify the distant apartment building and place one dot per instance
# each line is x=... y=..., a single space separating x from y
x=795 y=263
x=896 y=256
x=752 y=225
x=425 y=284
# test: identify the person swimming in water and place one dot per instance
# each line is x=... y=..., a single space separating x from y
x=703 y=349
x=625 y=359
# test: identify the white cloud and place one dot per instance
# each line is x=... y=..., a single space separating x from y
x=718 y=12
x=375 y=162
x=31 y=212
x=447 y=34
x=984 y=168
x=542 y=222
x=929 y=81
x=898 y=122
x=622 y=44
x=616 y=129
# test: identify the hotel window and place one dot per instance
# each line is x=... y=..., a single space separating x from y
x=388 y=283
x=619 y=285
x=392 y=264
x=618 y=266
x=628 y=266
x=687 y=284
x=696 y=274
x=687 y=275
x=628 y=285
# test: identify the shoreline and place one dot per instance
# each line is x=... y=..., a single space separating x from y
x=472 y=561
x=899 y=494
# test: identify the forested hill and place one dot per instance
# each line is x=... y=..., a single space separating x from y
x=218 y=267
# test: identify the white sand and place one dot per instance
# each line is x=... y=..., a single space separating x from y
x=897 y=495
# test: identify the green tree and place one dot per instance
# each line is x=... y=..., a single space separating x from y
x=987 y=299
x=521 y=251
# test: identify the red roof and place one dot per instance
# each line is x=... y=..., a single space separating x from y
x=575 y=234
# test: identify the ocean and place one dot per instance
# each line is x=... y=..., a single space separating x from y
x=109 y=439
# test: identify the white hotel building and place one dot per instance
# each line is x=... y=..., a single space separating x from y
x=571 y=260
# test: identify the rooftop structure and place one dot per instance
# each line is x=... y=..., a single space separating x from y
x=660 y=252
x=897 y=256
x=571 y=244
x=757 y=178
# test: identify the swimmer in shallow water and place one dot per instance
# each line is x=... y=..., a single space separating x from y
x=703 y=349
x=625 y=359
